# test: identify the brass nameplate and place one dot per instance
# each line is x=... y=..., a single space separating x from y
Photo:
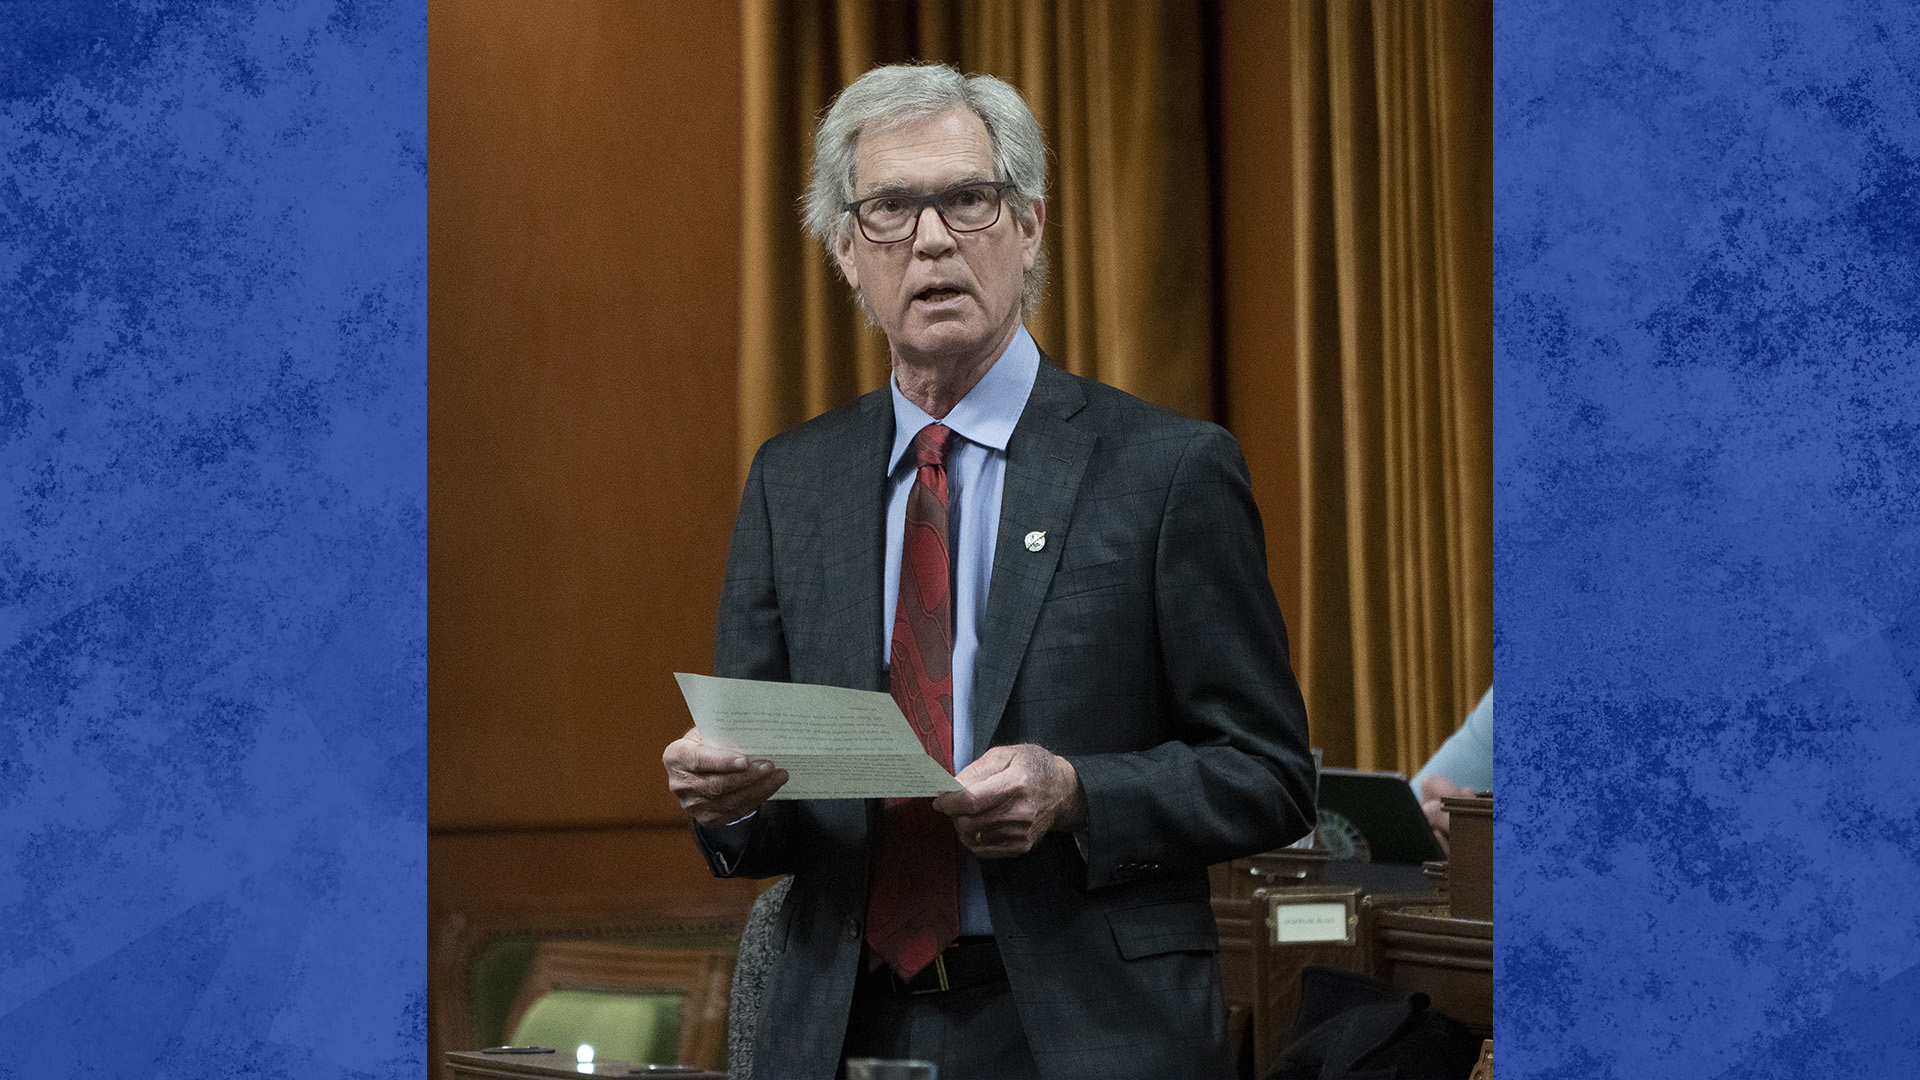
x=1313 y=916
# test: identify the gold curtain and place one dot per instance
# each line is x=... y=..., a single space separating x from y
x=1118 y=88
x=1392 y=197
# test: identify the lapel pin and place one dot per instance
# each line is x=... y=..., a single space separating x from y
x=1036 y=540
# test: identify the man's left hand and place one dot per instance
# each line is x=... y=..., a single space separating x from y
x=1014 y=796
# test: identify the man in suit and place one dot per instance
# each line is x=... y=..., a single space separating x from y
x=1065 y=587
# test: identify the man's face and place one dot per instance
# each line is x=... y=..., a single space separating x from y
x=940 y=296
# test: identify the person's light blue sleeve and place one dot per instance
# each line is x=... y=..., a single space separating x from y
x=1466 y=758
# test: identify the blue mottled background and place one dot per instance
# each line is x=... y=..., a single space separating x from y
x=1707 y=539
x=212 y=539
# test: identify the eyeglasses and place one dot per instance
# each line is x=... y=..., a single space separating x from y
x=963 y=208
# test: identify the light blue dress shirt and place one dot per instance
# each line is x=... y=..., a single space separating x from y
x=1466 y=758
x=976 y=471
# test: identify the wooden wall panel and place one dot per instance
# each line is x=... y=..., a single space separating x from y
x=583 y=238
x=583 y=263
x=635 y=870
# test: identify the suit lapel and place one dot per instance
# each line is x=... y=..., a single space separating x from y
x=1046 y=457
x=853 y=536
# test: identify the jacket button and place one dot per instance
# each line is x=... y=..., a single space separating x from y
x=853 y=926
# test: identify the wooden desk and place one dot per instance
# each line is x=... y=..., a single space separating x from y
x=1449 y=959
x=1238 y=879
x=474 y=1065
x=1470 y=869
x=1239 y=911
x=1407 y=936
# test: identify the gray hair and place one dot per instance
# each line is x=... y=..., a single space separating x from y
x=898 y=94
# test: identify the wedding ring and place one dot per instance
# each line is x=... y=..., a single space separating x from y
x=976 y=837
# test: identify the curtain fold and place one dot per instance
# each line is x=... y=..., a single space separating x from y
x=804 y=347
x=1393 y=182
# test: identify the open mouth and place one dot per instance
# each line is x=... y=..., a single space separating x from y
x=938 y=295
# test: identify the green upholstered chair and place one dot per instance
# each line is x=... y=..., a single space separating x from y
x=630 y=1027
x=650 y=996
x=638 y=1003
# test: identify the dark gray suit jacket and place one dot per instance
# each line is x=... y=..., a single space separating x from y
x=1142 y=643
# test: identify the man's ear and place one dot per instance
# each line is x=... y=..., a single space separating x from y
x=843 y=256
x=1030 y=233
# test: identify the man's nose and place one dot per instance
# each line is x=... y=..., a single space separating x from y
x=931 y=236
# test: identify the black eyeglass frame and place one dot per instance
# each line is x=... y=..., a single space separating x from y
x=921 y=202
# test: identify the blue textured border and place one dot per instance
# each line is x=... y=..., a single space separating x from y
x=1707 y=539
x=212 y=539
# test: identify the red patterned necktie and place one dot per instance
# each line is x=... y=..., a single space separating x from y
x=913 y=903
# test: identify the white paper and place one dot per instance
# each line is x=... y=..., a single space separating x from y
x=834 y=743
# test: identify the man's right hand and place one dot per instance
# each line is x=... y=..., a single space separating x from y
x=716 y=786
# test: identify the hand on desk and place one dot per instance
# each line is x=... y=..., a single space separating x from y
x=1015 y=795
x=1432 y=790
x=716 y=786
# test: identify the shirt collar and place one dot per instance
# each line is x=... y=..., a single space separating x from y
x=990 y=410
